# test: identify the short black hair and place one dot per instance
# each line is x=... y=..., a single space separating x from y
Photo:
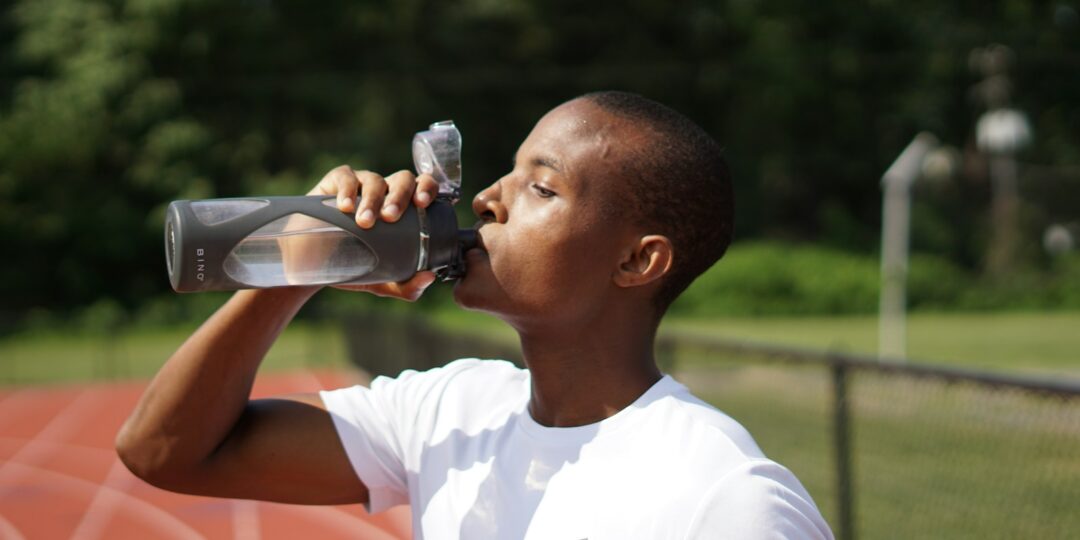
x=679 y=182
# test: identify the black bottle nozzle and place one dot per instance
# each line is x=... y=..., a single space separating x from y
x=467 y=239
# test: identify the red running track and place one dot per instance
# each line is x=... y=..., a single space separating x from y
x=60 y=477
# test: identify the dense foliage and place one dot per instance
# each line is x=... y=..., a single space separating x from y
x=111 y=108
x=770 y=278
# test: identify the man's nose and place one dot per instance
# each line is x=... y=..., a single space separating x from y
x=488 y=204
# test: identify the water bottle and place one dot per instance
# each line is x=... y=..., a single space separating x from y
x=262 y=242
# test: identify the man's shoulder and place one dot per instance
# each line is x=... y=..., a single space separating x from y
x=471 y=370
x=725 y=476
x=465 y=384
x=758 y=499
x=461 y=372
x=466 y=391
x=698 y=427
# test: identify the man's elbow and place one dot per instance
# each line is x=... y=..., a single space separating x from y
x=149 y=458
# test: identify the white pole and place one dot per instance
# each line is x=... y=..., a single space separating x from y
x=896 y=222
x=1001 y=133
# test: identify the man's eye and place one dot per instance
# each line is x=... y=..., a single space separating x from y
x=543 y=192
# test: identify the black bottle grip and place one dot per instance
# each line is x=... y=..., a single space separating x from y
x=211 y=244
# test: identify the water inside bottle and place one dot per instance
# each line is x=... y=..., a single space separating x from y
x=299 y=250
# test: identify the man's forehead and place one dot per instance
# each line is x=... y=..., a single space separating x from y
x=578 y=130
x=579 y=118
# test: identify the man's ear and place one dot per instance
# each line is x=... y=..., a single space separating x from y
x=646 y=261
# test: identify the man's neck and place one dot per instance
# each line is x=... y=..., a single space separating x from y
x=584 y=373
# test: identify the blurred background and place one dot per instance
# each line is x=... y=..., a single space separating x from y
x=109 y=109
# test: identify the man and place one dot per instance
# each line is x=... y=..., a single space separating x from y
x=614 y=205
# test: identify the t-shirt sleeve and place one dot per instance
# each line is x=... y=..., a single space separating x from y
x=759 y=500
x=381 y=428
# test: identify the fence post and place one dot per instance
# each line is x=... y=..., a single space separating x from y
x=842 y=445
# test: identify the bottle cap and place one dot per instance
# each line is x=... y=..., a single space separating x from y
x=437 y=152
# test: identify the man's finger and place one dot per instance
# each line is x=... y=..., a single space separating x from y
x=426 y=190
x=346 y=186
x=340 y=181
x=401 y=185
x=372 y=193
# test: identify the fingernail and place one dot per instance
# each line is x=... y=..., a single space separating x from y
x=367 y=216
x=423 y=197
x=390 y=209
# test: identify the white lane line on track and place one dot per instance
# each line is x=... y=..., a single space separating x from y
x=53 y=446
x=42 y=446
x=156 y=518
x=246 y=520
x=103 y=505
x=9 y=531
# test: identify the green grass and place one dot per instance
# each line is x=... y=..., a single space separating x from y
x=1042 y=343
x=53 y=356
x=931 y=460
x=1033 y=343
x=59 y=356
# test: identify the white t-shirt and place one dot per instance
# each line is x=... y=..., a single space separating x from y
x=458 y=444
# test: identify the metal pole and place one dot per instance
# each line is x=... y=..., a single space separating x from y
x=892 y=307
x=1000 y=132
x=842 y=446
x=896 y=222
x=1004 y=213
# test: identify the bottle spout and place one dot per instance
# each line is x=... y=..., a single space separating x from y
x=467 y=239
x=437 y=152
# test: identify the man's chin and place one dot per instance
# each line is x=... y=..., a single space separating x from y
x=468 y=295
x=465 y=296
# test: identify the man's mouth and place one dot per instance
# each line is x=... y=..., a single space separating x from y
x=480 y=246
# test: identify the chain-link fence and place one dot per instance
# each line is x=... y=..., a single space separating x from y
x=901 y=450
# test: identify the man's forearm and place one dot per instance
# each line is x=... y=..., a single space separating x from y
x=199 y=394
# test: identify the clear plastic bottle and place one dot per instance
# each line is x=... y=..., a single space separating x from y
x=249 y=243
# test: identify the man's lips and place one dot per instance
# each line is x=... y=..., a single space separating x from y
x=480 y=246
x=478 y=254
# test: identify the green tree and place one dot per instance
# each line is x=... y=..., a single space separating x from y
x=109 y=109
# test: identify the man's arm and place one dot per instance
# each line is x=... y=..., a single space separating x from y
x=195 y=430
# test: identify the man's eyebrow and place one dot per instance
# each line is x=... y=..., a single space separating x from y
x=540 y=161
x=547 y=161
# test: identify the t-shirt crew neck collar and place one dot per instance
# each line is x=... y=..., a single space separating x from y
x=577 y=435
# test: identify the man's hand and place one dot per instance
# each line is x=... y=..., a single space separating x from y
x=386 y=198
